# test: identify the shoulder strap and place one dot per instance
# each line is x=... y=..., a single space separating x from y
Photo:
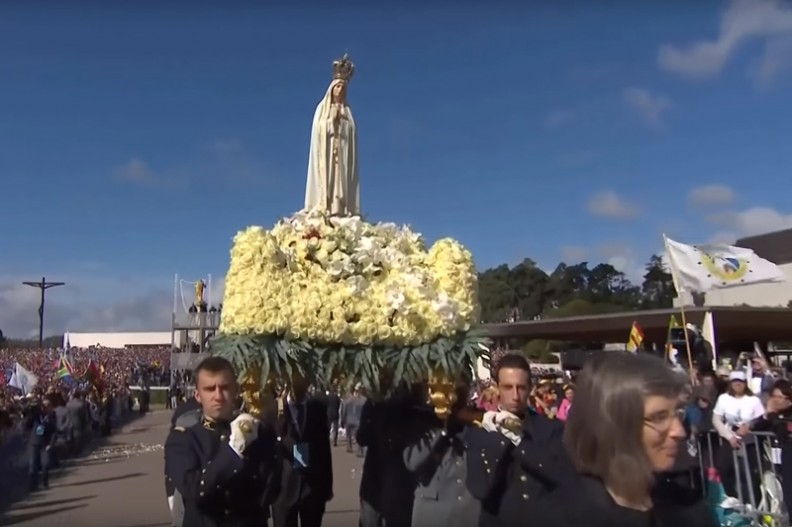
x=188 y=419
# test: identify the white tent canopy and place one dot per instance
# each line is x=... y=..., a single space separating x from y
x=117 y=340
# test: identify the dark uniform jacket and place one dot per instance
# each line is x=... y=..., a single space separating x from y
x=188 y=417
x=509 y=480
x=314 y=482
x=386 y=485
x=218 y=487
x=43 y=428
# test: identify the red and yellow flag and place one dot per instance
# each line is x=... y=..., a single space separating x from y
x=636 y=338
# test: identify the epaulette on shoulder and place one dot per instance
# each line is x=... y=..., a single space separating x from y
x=189 y=419
x=179 y=429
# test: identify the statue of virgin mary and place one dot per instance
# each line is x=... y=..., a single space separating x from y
x=333 y=183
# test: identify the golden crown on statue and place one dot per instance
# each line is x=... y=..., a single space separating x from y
x=343 y=68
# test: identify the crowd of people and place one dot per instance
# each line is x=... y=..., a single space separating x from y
x=619 y=444
x=523 y=443
x=117 y=370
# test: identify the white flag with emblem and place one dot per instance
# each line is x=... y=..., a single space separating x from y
x=23 y=380
x=702 y=268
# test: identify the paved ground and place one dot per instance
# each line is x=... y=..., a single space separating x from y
x=121 y=485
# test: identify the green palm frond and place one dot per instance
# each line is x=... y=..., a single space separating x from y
x=365 y=365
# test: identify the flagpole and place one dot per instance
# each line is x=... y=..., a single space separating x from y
x=681 y=303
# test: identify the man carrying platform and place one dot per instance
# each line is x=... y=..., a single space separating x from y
x=516 y=456
x=223 y=467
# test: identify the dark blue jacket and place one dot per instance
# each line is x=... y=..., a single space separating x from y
x=42 y=427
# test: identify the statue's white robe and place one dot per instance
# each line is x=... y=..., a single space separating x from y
x=332 y=187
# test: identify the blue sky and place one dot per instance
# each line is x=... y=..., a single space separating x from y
x=135 y=140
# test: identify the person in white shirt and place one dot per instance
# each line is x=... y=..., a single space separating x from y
x=732 y=416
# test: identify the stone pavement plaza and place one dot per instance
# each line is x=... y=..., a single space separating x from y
x=122 y=485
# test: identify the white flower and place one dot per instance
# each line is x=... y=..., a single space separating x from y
x=357 y=284
x=335 y=268
x=396 y=300
x=445 y=307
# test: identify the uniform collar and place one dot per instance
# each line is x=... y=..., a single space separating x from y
x=215 y=424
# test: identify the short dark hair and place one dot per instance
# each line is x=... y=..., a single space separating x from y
x=214 y=365
x=783 y=386
x=514 y=362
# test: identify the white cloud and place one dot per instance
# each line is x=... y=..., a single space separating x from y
x=135 y=171
x=222 y=160
x=608 y=204
x=573 y=254
x=559 y=118
x=91 y=302
x=722 y=237
x=777 y=58
x=622 y=257
x=649 y=106
x=750 y=222
x=742 y=22
x=711 y=195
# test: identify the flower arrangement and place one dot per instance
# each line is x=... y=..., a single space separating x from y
x=360 y=298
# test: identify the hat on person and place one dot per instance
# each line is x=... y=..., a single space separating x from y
x=737 y=376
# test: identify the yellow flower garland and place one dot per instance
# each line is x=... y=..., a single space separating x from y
x=344 y=281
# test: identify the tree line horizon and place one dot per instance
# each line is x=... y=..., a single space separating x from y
x=526 y=292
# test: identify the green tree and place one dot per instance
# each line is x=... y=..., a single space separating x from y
x=539 y=350
x=526 y=292
x=658 y=285
x=529 y=284
x=496 y=294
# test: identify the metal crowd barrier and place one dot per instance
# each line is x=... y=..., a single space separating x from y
x=759 y=494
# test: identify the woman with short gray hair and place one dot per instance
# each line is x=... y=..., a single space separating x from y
x=623 y=434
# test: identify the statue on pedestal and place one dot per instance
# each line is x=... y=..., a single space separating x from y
x=333 y=181
x=200 y=304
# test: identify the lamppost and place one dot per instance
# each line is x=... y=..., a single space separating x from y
x=43 y=285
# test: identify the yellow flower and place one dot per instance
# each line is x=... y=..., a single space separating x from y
x=341 y=280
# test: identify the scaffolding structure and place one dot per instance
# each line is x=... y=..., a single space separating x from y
x=193 y=324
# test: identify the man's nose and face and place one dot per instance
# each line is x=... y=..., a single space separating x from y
x=217 y=392
x=514 y=386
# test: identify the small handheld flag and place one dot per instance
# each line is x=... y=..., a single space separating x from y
x=65 y=370
x=636 y=338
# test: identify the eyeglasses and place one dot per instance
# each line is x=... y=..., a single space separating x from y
x=662 y=421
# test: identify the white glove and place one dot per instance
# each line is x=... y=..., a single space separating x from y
x=244 y=430
x=500 y=425
x=488 y=422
